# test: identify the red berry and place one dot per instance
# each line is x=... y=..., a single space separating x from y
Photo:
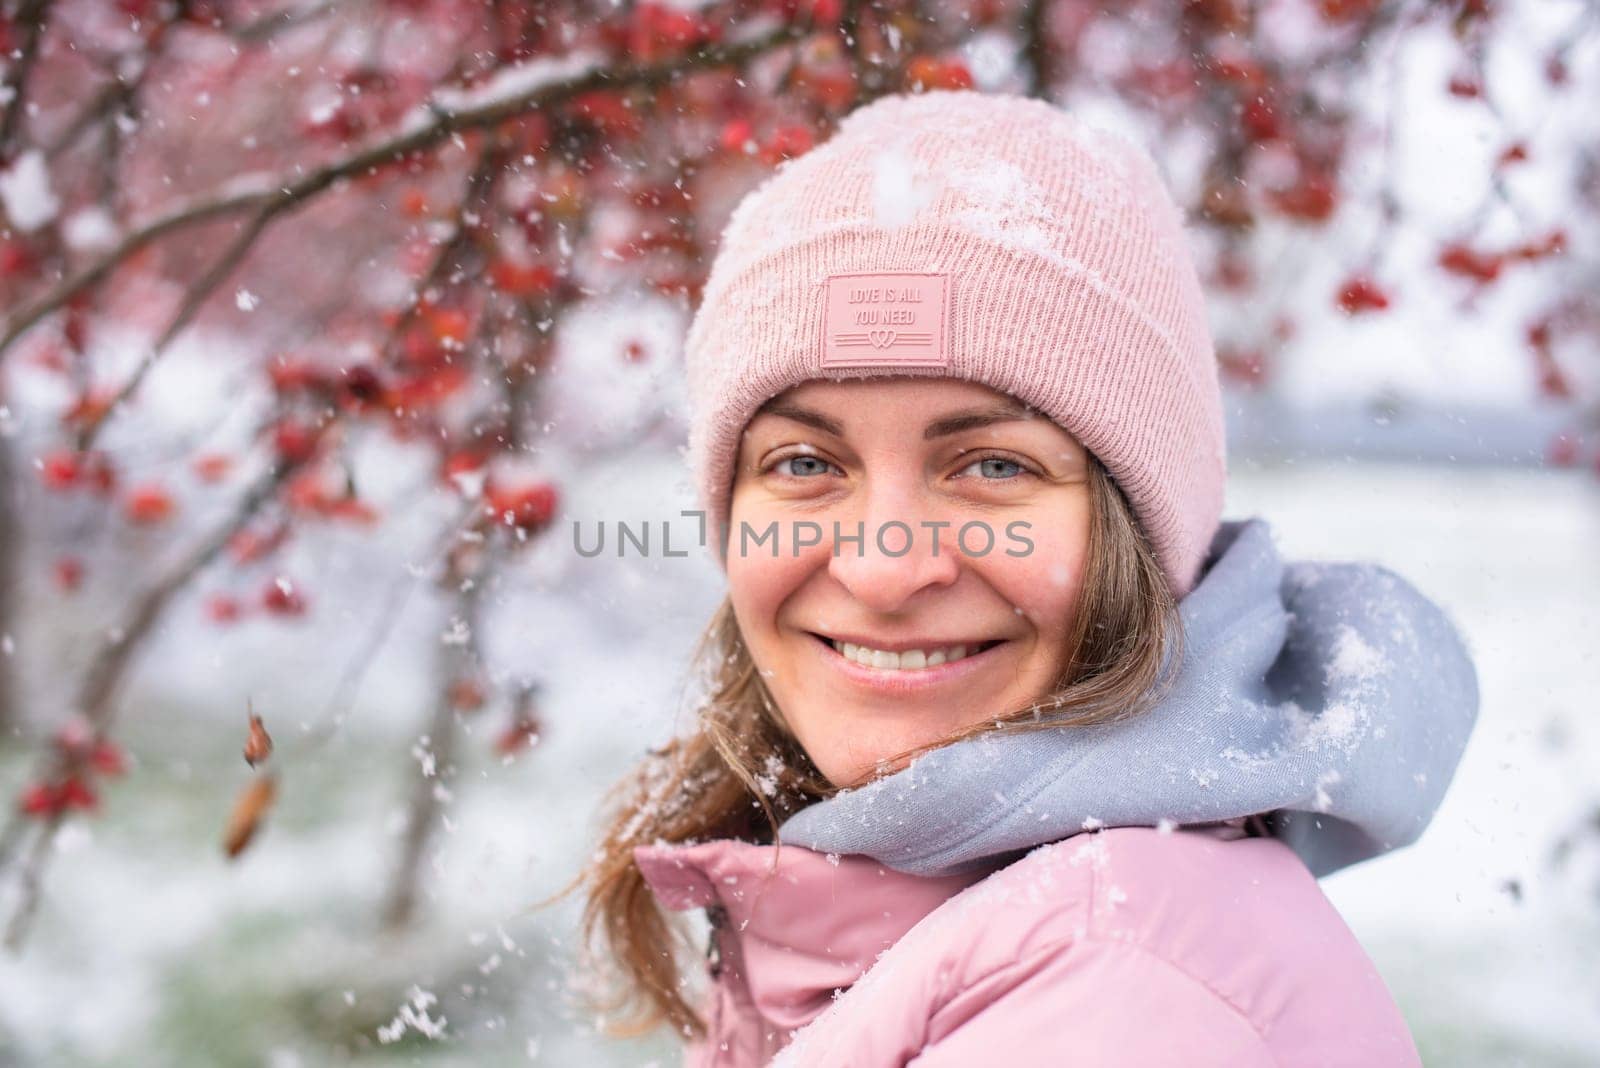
x=1260 y=121
x=1457 y=258
x=414 y=203
x=1239 y=70
x=75 y=793
x=290 y=373
x=107 y=758
x=1516 y=152
x=59 y=468
x=526 y=508
x=462 y=462
x=1362 y=294
x=466 y=695
x=360 y=387
x=1466 y=86
x=1347 y=10
x=449 y=326
x=826 y=12
x=15 y=257
x=294 y=442
x=737 y=136
x=281 y=598
x=1313 y=198
x=212 y=466
x=247 y=545
x=786 y=142
x=521 y=734
x=220 y=608
x=1248 y=367
x=523 y=280
x=149 y=504
x=39 y=799
x=69 y=573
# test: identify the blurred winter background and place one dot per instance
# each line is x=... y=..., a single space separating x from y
x=325 y=322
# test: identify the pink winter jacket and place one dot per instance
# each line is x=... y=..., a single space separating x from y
x=1129 y=947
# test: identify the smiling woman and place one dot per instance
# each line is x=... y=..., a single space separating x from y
x=1075 y=630
x=1056 y=796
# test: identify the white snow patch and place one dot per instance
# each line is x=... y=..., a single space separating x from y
x=25 y=191
x=413 y=1014
x=900 y=187
x=89 y=229
x=1355 y=662
x=518 y=80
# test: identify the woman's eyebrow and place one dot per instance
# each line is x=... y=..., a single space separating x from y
x=974 y=419
x=804 y=415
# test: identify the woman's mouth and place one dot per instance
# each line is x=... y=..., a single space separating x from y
x=906 y=659
x=905 y=671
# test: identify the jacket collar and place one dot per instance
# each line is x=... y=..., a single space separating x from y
x=796 y=925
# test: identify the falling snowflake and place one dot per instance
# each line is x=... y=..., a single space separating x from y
x=413 y=1014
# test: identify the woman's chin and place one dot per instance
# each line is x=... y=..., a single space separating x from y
x=854 y=776
x=866 y=747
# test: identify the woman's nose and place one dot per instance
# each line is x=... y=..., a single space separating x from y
x=902 y=549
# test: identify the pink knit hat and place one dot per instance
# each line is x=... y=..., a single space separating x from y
x=988 y=237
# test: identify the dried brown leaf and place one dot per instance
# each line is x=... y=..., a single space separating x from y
x=259 y=745
x=251 y=806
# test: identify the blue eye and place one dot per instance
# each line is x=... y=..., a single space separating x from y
x=997 y=468
x=820 y=466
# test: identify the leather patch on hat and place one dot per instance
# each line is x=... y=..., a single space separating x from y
x=886 y=319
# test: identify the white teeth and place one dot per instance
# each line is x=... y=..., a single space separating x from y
x=909 y=660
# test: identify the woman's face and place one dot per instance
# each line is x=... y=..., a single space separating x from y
x=930 y=472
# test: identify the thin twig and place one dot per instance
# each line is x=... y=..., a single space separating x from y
x=384 y=621
x=30 y=21
x=442 y=739
x=194 y=299
x=1036 y=51
x=32 y=876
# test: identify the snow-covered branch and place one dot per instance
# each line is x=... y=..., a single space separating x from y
x=442 y=117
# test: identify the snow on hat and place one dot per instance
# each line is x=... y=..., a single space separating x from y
x=1001 y=240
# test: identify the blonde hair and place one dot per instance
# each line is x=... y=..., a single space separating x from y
x=740 y=773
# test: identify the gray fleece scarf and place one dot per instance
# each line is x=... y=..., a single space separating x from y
x=1334 y=696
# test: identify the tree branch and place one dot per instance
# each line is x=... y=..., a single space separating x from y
x=441 y=123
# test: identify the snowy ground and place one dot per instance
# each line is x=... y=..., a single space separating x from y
x=153 y=950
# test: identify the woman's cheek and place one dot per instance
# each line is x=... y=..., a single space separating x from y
x=763 y=561
x=1041 y=568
